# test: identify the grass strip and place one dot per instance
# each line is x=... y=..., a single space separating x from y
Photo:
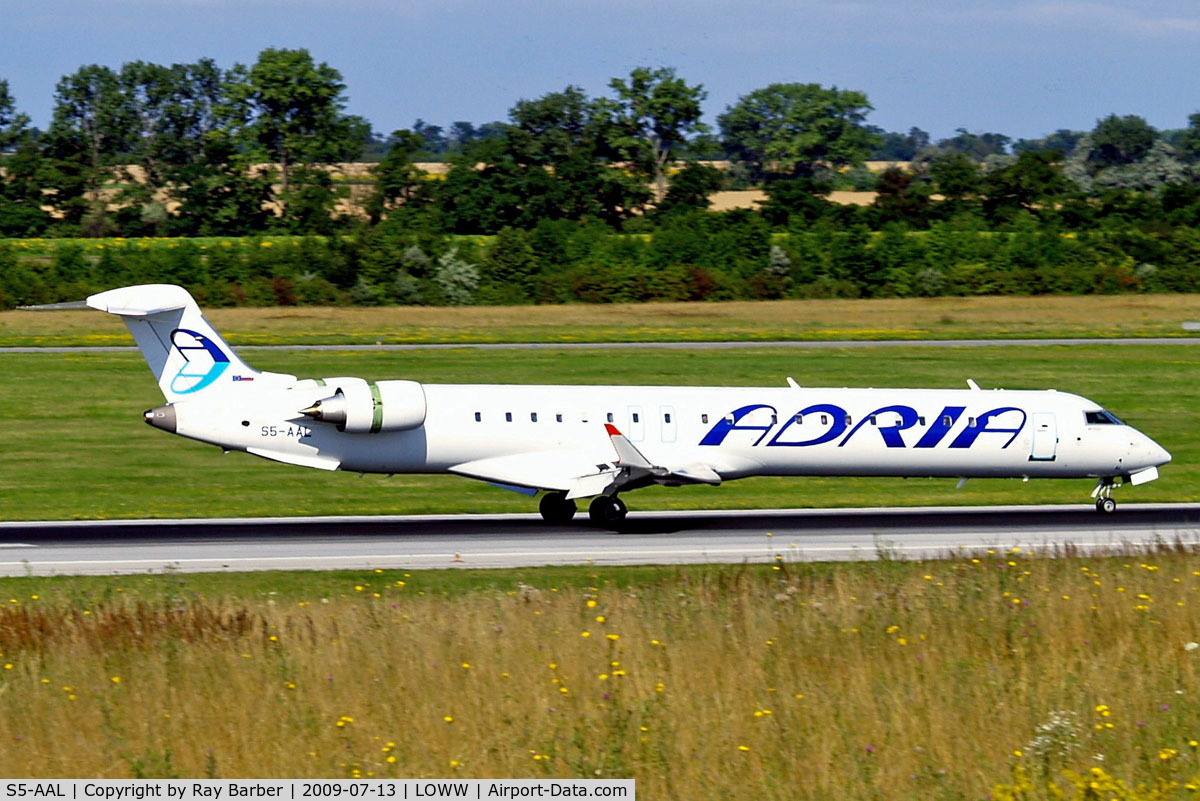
x=76 y=448
x=936 y=680
x=788 y=320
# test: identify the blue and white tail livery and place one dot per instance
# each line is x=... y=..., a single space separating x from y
x=572 y=442
x=184 y=351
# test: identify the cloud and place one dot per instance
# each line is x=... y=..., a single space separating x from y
x=1143 y=20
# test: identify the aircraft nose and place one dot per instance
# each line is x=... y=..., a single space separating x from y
x=1158 y=454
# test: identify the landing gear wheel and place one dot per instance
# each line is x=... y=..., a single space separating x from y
x=608 y=512
x=1106 y=506
x=555 y=508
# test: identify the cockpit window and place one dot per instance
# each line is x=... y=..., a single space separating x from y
x=1102 y=418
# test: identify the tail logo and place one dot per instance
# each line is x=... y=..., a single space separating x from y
x=203 y=361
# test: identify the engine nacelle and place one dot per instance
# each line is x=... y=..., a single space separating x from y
x=359 y=407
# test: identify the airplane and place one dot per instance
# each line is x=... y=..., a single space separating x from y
x=598 y=442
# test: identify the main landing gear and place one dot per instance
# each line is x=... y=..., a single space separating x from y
x=604 y=510
x=555 y=508
x=1103 y=495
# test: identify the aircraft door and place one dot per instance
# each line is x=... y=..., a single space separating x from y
x=1045 y=437
x=667 y=420
x=637 y=424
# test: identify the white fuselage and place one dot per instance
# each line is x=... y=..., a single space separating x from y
x=737 y=431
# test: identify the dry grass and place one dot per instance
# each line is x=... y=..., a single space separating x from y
x=804 y=682
x=937 y=318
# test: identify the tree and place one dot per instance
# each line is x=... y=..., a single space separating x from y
x=654 y=113
x=14 y=126
x=1063 y=140
x=398 y=181
x=296 y=110
x=900 y=197
x=690 y=188
x=89 y=128
x=551 y=162
x=897 y=146
x=1028 y=184
x=20 y=184
x=1188 y=143
x=975 y=146
x=1120 y=140
x=801 y=129
x=956 y=177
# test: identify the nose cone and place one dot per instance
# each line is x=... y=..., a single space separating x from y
x=1158 y=454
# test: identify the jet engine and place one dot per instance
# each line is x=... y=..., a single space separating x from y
x=359 y=407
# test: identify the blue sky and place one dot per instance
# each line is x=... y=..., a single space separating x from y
x=1019 y=68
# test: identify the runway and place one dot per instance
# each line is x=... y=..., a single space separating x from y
x=489 y=541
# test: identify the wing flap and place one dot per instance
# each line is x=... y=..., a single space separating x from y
x=547 y=470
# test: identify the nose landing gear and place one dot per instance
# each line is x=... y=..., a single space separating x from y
x=1103 y=495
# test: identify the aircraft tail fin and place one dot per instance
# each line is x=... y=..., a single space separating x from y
x=185 y=353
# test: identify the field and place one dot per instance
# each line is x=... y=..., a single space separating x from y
x=75 y=445
x=932 y=318
x=994 y=675
x=891 y=680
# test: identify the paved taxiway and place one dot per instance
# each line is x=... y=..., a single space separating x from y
x=447 y=541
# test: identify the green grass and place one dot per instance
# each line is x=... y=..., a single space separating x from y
x=749 y=321
x=889 y=680
x=75 y=446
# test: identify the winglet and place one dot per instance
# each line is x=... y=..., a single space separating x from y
x=627 y=453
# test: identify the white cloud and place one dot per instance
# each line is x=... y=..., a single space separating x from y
x=1142 y=20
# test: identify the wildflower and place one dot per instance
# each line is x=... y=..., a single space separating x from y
x=116 y=679
x=585 y=634
x=448 y=718
x=591 y=604
x=743 y=748
x=613 y=637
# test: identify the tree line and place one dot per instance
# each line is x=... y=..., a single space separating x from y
x=582 y=198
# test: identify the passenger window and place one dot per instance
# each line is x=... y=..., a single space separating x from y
x=799 y=418
x=558 y=418
x=635 y=417
x=533 y=417
x=947 y=420
x=478 y=417
x=508 y=417
x=970 y=422
x=666 y=418
x=874 y=421
x=824 y=420
x=921 y=420
x=704 y=419
x=610 y=417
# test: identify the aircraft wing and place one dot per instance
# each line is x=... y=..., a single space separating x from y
x=575 y=472
x=582 y=474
